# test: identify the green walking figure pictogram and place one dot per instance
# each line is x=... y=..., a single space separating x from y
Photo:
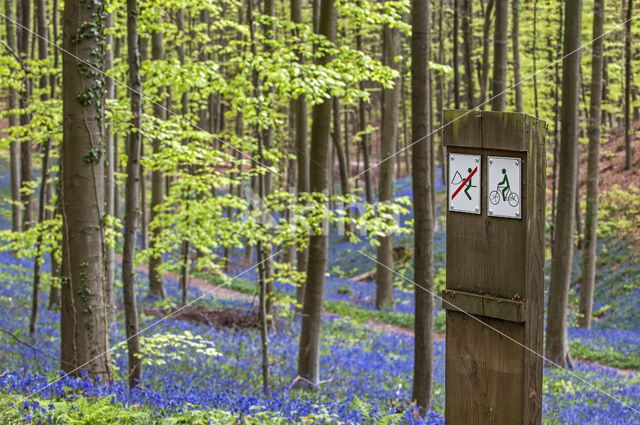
x=505 y=183
x=469 y=186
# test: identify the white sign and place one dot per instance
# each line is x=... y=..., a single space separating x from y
x=464 y=183
x=504 y=183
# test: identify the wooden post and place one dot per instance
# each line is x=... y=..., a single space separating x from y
x=495 y=268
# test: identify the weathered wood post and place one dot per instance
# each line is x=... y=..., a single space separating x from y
x=495 y=268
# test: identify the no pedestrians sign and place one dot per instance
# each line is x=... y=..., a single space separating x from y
x=464 y=183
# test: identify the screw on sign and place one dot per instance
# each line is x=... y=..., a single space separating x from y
x=464 y=176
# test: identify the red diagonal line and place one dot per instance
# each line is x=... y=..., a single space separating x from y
x=464 y=183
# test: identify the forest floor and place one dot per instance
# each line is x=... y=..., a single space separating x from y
x=203 y=364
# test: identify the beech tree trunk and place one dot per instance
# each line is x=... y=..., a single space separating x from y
x=595 y=124
x=364 y=138
x=499 y=81
x=343 y=164
x=309 y=349
x=132 y=197
x=302 y=154
x=456 y=55
x=391 y=98
x=515 y=38
x=43 y=53
x=156 y=282
x=423 y=213
x=627 y=87
x=467 y=16
x=14 y=155
x=484 y=67
x=84 y=323
x=24 y=18
x=110 y=167
x=557 y=348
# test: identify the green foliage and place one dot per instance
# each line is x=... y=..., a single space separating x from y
x=82 y=411
x=168 y=348
x=605 y=355
x=619 y=212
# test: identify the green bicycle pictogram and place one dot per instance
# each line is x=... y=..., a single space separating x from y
x=503 y=190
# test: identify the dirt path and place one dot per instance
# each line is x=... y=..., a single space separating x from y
x=199 y=283
x=227 y=293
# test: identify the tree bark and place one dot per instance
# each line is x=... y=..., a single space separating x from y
x=595 y=124
x=83 y=323
x=456 y=55
x=43 y=53
x=132 y=197
x=423 y=241
x=302 y=154
x=156 y=282
x=534 y=55
x=627 y=87
x=343 y=165
x=24 y=18
x=499 y=81
x=14 y=155
x=515 y=38
x=184 y=246
x=484 y=67
x=557 y=348
x=309 y=349
x=391 y=98
x=110 y=166
x=364 y=139
x=467 y=16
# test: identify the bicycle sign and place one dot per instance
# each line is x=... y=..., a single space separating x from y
x=464 y=183
x=504 y=185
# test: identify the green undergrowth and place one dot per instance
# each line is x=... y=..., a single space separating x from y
x=83 y=411
x=605 y=355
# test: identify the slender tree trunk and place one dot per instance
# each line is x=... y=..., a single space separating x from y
x=184 y=246
x=110 y=166
x=14 y=156
x=302 y=155
x=391 y=98
x=456 y=55
x=132 y=197
x=24 y=18
x=364 y=138
x=515 y=38
x=557 y=348
x=467 y=16
x=484 y=67
x=342 y=158
x=423 y=242
x=627 y=87
x=595 y=124
x=84 y=323
x=534 y=55
x=267 y=188
x=499 y=82
x=556 y=128
x=309 y=349
x=117 y=210
x=43 y=54
x=156 y=282
x=54 y=288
